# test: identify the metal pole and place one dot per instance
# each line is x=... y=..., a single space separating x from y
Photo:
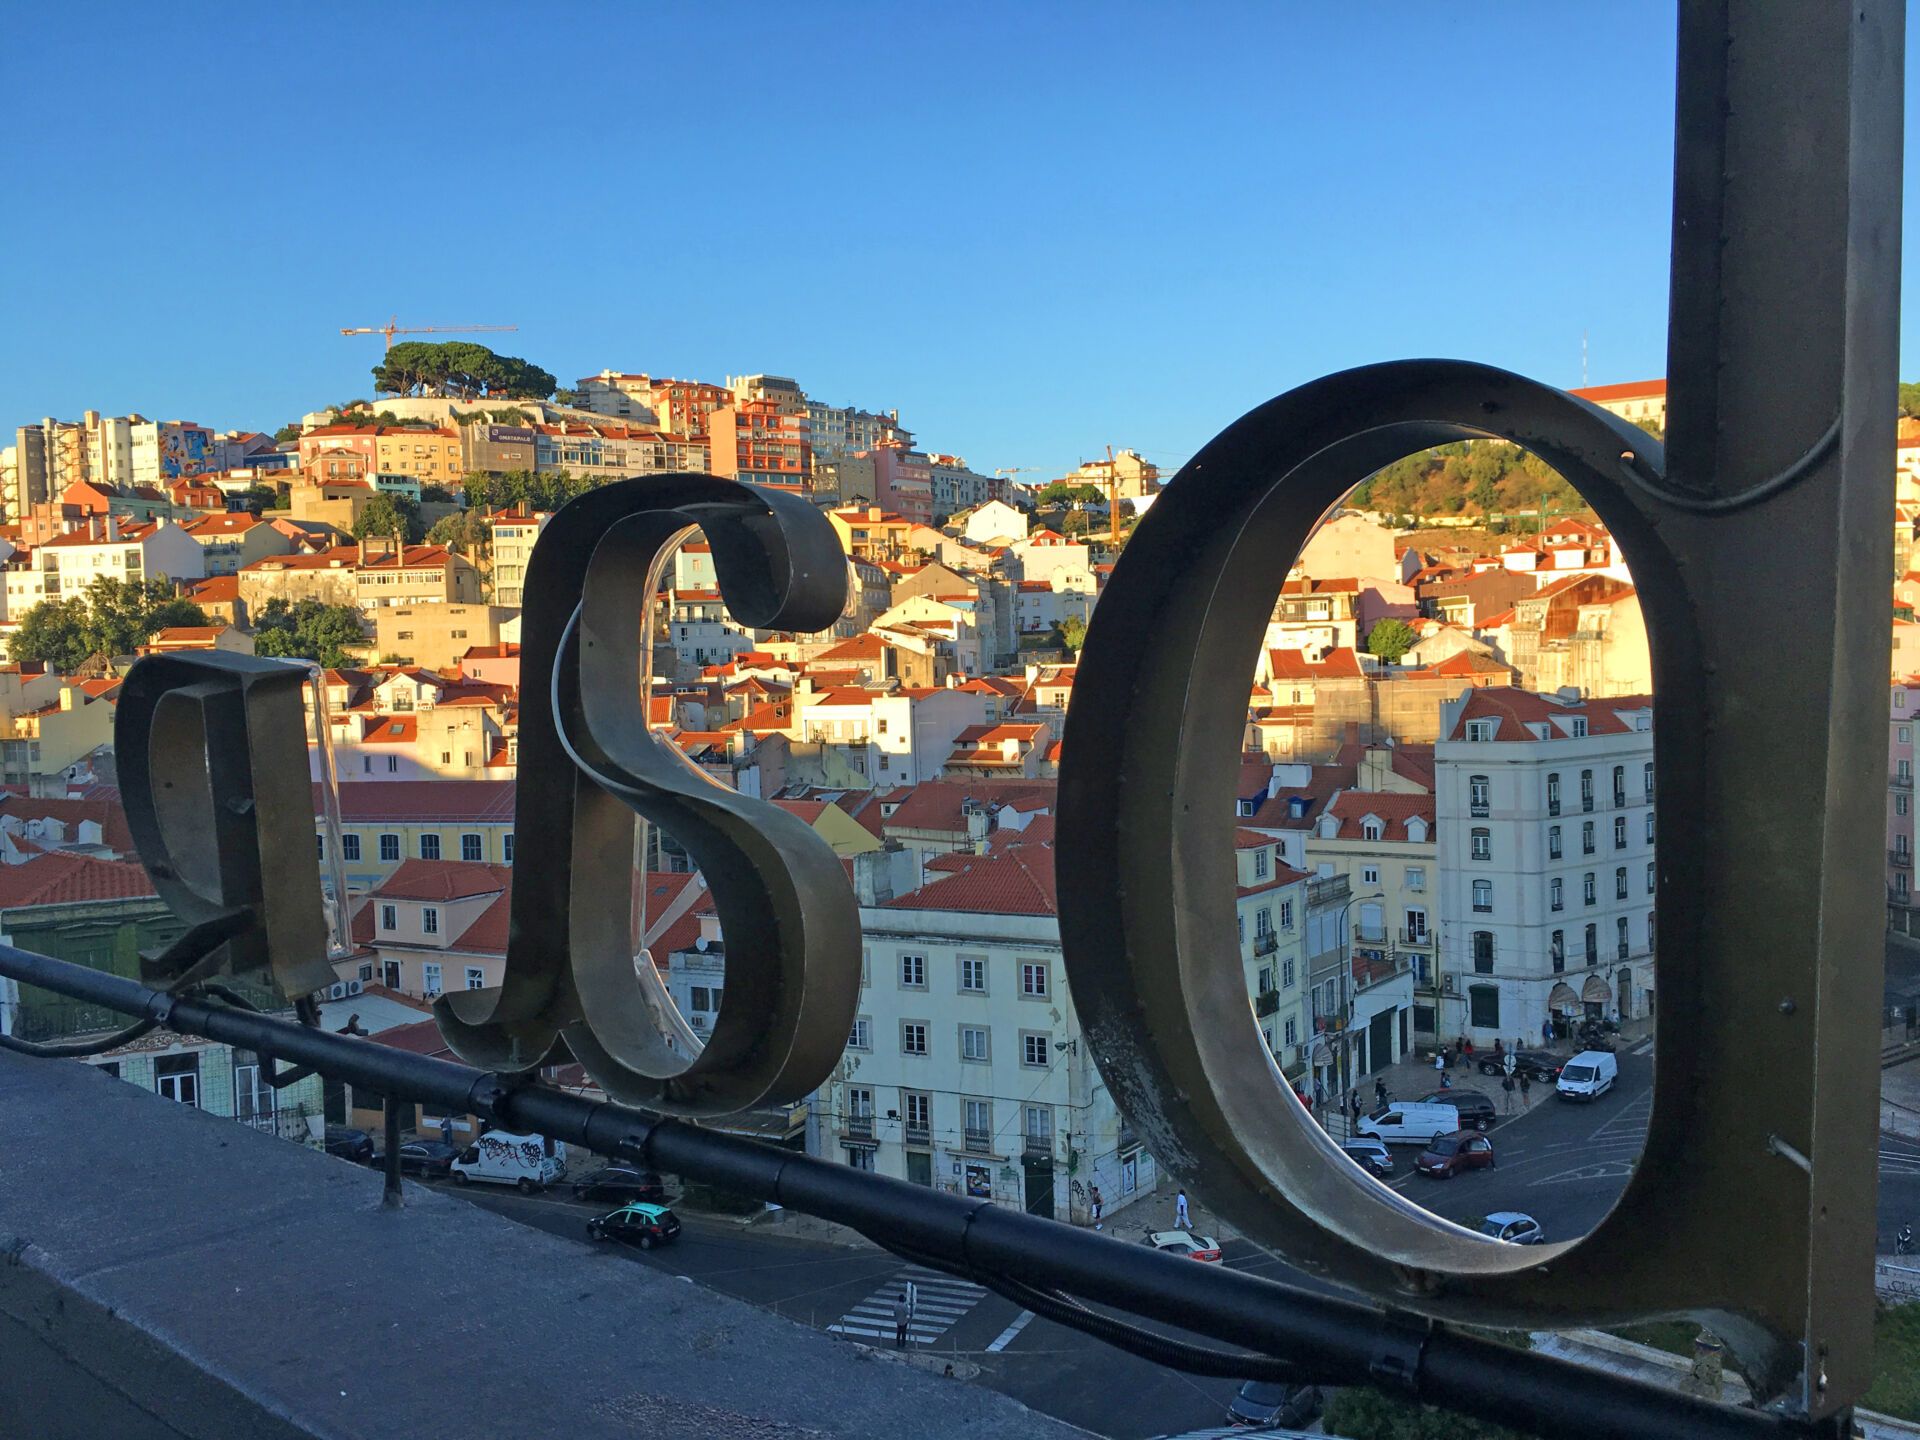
x=390 y=1196
x=1340 y=1341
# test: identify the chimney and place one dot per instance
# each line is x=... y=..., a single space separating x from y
x=363 y=549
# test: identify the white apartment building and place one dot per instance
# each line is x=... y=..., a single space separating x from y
x=882 y=737
x=1385 y=844
x=514 y=535
x=1545 y=808
x=1270 y=911
x=158 y=550
x=966 y=1068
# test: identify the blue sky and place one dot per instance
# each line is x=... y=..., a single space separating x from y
x=1034 y=229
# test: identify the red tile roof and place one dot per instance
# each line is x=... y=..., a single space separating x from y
x=428 y=802
x=443 y=880
x=1631 y=390
x=107 y=812
x=1017 y=881
x=64 y=879
x=1340 y=663
x=1352 y=807
x=1514 y=710
x=935 y=804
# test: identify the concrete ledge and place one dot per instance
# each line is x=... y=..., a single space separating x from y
x=167 y=1273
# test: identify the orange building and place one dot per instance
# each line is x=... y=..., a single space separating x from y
x=756 y=441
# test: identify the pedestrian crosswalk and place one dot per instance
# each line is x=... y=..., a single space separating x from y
x=939 y=1303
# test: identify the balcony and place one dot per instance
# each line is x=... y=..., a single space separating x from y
x=1266 y=943
x=1266 y=1002
x=913 y=1134
x=1418 y=939
x=1327 y=890
x=858 y=1127
x=979 y=1142
x=1900 y=859
x=1037 y=1145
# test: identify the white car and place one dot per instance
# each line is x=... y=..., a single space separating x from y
x=1513 y=1227
x=1185 y=1242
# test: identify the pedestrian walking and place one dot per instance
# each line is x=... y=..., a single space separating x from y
x=1319 y=1096
x=1506 y=1085
x=1526 y=1086
x=1446 y=1080
x=1098 y=1207
x=1181 y=1219
x=446 y=1131
x=1440 y=1060
x=1353 y=1111
x=902 y=1313
x=1379 y=1090
x=1466 y=1046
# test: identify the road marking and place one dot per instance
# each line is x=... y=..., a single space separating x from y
x=941 y=1302
x=1643 y=1047
x=1005 y=1337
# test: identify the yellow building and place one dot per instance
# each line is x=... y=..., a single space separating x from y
x=46 y=741
x=435 y=636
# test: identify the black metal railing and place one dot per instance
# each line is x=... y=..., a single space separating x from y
x=978 y=1142
x=1266 y=1002
x=1334 y=1340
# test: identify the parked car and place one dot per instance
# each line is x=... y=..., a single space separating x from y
x=1534 y=1064
x=621 y=1182
x=1410 y=1123
x=499 y=1157
x=1588 y=1075
x=636 y=1224
x=1185 y=1242
x=428 y=1159
x=1267 y=1406
x=1475 y=1109
x=1448 y=1155
x=1371 y=1156
x=349 y=1144
x=1514 y=1228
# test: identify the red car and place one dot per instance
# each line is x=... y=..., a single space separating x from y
x=1448 y=1155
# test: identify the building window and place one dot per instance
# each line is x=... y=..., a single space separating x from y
x=913 y=1037
x=1650 y=932
x=1292 y=1031
x=1483 y=1002
x=1619 y=786
x=1620 y=883
x=350 y=847
x=1619 y=832
x=1416 y=877
x=477 y=978
x=1477 y=792
x=861 y=1036
x=320 y=847
x=1286 y=975
x=429 y=847
x=1483 y=896
x=1556 y=894
x=1558 y=950
x=1586 y=885
x=1586 y=837
x=1260 y=863
x=393 y=764
x=1369 y=875
x=1903 y=810
x=1646 y=778
x=1586 y=790
x=1620 y=937
x=1593 y=944
x=1480 y=730
x=470 y=848
x=1033 y=1049
x=917 y=1106
x=1553 y=794
x=1286 y=913
x=1482 y=844
x=1039 y=1127
x=913 y=971
x=177 y=1077
x=430 y=980
x=1553 y=842
x=429 y=920
x=973 y=974
x=389 y=917
x=1483 y=952
x=979 y=1125
x=976 y=1043
x=506 y=847
x=389 y=849
x=1033 y=979
x=1579 y=727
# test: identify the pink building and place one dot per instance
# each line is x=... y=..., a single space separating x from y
x=1900 y=723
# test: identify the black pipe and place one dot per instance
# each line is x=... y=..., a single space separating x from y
x=1339 y=1341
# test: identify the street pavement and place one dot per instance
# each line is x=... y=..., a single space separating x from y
x=1561 y=1162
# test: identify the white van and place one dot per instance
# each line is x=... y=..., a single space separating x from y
x=1410 y=1124
x=1588 y=1075
x=502 y=1158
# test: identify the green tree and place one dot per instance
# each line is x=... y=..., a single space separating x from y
x=390 y=515
x=1073 y=633
x=287 y=432
x=55 y=633
x=1062 y=493
x=123 y=614
x=1910 y=397
x=1389 y=639
x=459 y=368
x=436 y=495
x=468 y=531
x=307 y=630
x=1367 y=1414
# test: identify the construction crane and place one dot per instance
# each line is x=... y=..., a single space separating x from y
x=393 y=327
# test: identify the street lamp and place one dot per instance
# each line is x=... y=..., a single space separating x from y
x=1342 y=1067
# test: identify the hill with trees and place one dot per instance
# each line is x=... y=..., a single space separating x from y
x=111 y=617
x=461 y=370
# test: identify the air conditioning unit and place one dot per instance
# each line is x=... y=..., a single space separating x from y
x=337 y=991
x=354 y=987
